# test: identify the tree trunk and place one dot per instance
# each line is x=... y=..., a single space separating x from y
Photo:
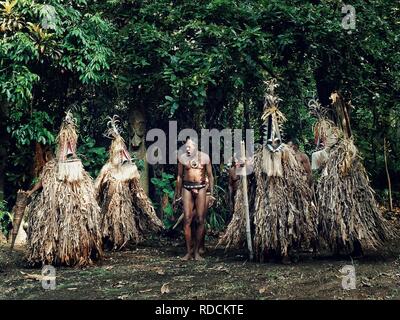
x=3 y=146
x=39 y=159
x=137 y=143
x=385 y=147
x=18 y=212
x=2 y=170
x=325 y=86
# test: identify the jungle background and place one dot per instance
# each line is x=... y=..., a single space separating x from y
x=200 y=63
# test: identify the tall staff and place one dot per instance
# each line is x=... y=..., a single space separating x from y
x=246 y=202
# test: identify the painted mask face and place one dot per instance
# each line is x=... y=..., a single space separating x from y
x=67 y=151
x=67 y=139
x=67 y=143
x=272 y=134
x=124 y=156
x=70 y=152
x=70 y=168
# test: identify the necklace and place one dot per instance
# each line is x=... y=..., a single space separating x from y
x=194 y=164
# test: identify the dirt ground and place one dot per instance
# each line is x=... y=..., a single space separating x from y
x=155 y=271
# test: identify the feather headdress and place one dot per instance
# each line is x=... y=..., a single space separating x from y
x=113 y=127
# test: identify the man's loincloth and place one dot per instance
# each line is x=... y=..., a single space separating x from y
x=194 y=187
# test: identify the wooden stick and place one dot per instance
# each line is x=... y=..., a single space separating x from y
x=178 y=222
x=246 y=204
x=387 y=174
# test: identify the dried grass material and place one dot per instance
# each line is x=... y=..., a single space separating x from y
x=326 y=132
x=118 y=224
x=3 y=239
x=63 y=221
x=347 y=206
x=319 y=159
x=271 y=110
x=144 y=211
x=127 y=213
x=284 y=215
x=67 y=133
x=235 y=234
x=271 y=102
x=117 y=146
x=272 y=163
x=70 y=171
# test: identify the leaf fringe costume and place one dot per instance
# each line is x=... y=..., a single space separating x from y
x=349 y=216
x=63 y=217
x=126 y=212
x=284 y=215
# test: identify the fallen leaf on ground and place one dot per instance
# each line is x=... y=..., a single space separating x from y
x=121 y=284
x=385 y=274
x=366 y=284
x=38 y=277
x=165 y=288
x=143 y=291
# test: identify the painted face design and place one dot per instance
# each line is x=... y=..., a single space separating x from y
x=67 y=139
x=70 y=151
x=125 y=156
x=67 y=150
x=119 y=153
x=272 y=135
x=190 y=148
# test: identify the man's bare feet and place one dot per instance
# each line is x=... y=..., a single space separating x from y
x=198 y=257
x=187 y=257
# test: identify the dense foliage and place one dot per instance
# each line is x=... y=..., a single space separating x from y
x=202 y=63
x=5 y=218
